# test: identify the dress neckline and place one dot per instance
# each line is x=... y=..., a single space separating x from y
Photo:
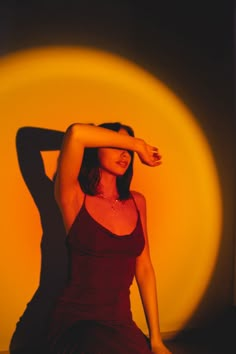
x=104 y=228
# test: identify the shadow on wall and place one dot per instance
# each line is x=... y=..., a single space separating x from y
x=31 y=329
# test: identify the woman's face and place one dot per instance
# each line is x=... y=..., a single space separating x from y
x=113 y=160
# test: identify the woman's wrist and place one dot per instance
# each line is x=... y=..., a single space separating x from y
x=139 y=145
x=156 y=342
x=155 y=339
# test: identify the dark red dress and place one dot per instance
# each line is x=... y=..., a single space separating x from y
x=93 y=313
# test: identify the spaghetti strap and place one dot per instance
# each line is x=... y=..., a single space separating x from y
x=83 y=204
x=132 y=196
x=77 y=215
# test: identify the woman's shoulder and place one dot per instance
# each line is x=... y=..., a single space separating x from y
x=139 y=199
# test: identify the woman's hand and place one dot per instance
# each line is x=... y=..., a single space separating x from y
x=160 y=349
x=149 y=155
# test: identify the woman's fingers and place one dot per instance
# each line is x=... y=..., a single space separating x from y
x=156 y=156
x=150 y=155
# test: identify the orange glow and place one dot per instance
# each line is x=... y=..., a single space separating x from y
x=54 y=87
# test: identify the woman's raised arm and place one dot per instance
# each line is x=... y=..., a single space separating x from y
x=68 y=192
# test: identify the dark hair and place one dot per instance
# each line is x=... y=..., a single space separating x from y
x=89 y=176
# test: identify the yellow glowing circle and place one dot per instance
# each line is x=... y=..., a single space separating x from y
x=54 y=87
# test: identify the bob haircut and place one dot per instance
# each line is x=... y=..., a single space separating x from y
x=89 y=176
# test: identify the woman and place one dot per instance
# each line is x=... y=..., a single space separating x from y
x=108 y=244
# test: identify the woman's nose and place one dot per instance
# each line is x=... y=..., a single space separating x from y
x=124 y=154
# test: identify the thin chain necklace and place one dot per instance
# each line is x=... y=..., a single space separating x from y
x=114 y=201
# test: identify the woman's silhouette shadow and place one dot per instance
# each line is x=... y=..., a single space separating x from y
x=31 y=329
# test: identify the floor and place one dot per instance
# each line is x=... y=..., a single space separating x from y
x=217 y=338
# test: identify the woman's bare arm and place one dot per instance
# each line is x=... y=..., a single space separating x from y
x=146 y=281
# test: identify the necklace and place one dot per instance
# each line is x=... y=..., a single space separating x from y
x=114 y=201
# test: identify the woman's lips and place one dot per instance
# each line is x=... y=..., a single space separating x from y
x=123 y=164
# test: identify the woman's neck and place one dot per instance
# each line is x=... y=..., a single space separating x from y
x=107 y=185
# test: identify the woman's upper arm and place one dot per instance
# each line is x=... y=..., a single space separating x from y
x=68 y=192
x=143 y=260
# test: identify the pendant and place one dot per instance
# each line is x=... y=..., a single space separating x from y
x=115 y=205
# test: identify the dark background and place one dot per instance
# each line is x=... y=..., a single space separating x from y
x=188 y=45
